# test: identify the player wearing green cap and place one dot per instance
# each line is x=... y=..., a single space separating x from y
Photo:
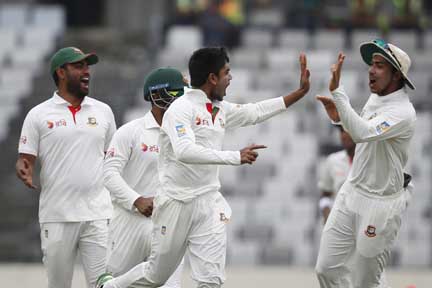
x=131 y=175
x=69 y=134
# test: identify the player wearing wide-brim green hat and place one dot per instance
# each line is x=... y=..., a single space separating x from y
x=398 y=58
x=71 y=55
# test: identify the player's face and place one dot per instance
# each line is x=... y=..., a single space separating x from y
x=381 y=76
x=223 y=81
x=78 y=78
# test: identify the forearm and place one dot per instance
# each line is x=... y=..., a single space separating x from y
x=358 y=128
x=293 y=97
x=120 y=191
x=192 y=153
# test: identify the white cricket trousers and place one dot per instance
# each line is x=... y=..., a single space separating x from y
x=359 y=233
x=62 y=241
x=130 y=243
x=199 y=227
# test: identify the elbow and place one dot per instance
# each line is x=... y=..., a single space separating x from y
x=183 y=155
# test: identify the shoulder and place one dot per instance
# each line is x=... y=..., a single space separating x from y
x=99 y=104
x=40 y=109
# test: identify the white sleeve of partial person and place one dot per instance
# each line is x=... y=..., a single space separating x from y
x=386 y=125
x=239 y=115
x=325 y=202
x=29 y=139
x=115 y=160
x=111 y=129
x=177 y=125
x=325 y=181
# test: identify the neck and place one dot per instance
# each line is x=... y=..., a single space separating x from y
x=207 y=90
x=157 y=114
x=72 y=99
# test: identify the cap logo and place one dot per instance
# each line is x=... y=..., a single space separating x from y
x=77 y=50
x=159 y=86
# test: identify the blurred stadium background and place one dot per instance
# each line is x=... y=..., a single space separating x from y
x=275 y=229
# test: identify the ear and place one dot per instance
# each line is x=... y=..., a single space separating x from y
x=61 y=73
x=397 y=76
x=212 y=79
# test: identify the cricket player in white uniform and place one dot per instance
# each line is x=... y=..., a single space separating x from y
x=190 y=213
x=130 y=173
x=69 y=134
x=366 y=217
x=334 y=172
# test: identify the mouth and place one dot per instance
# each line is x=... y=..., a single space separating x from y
x=372 y=82
x=85 y=82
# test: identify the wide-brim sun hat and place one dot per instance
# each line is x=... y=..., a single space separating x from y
x=393 y=54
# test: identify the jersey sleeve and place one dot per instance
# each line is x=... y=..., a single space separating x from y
x=117 y=156
x=30 y=135
x=111 y=128
x=386 y=125
x=325 y=181
x=239 y=115
x=177 y=125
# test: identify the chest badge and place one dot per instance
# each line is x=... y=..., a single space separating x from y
x=92 y=121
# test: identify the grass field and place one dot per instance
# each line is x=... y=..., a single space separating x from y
x=33 y=275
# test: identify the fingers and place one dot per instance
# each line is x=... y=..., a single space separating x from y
x=303 y=62
x=254 y=147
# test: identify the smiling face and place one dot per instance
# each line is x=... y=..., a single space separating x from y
x=220 y=82
x=77 y=78
x=383 y=78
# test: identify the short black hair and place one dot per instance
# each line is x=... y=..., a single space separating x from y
x=55 y=76
x=205 y=61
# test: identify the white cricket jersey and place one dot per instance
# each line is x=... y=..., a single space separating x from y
x=334 y=171
x=191 y=141
x=130 y=168
x=383 y=132
x=70 y=147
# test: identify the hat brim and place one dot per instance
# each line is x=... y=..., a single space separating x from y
x=368 y=49
x=90 y=58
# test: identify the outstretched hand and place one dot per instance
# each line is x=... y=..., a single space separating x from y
x=248 y=155
x=304 y=74
x=336 y=72
x=330 y=107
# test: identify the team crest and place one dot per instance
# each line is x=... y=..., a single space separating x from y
x=110 y=153
x=223 y=218
x=23 y=139
x=163 y=230
x=221 y=122
x=370 y=231
x=92 y=121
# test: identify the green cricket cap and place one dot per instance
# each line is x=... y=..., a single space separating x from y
x=168 y=78
x=71 y=55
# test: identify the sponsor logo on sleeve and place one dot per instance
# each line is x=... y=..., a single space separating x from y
x=23 y=139
x=381 y=128
x=110 y=153
x=181 y=130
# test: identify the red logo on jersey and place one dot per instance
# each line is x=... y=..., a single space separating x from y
x=23 y=139
x=370 y=231
x=110 y=153
x=151 y=148
x=58 y=123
